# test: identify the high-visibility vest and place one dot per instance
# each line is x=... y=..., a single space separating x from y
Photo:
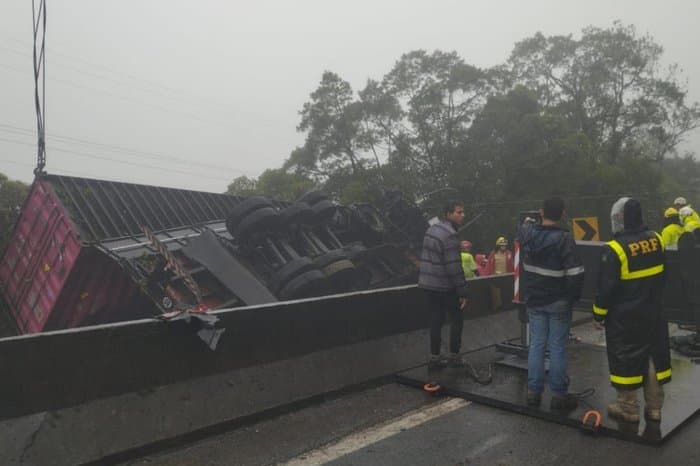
x=635 y=266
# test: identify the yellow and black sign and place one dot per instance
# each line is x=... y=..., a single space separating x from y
x=586 y=228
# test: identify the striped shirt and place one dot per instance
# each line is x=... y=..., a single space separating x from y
x=440 y=262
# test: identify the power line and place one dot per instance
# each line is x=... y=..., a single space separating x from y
x=124 y=98
x=156 y=90
x=112 y=71
x=152 y=86
x=123 y=162
x=84 y=174
x=119 y=149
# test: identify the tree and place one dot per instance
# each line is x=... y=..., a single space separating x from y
x=439 y=95
x=414 y=120
x=681 y=177
x=243 y=186
x=12 y=195
x=518 y=151
x=275 y=183
x=610 y=86
x=331 y=120
x=282 y=185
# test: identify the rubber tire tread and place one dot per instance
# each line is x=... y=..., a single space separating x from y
x=330 y=257
x=257 y=220
x=324 y=210
x=337 y=266
x=243 y=208
x=297 y=213
x=293 y=269
x=312 y=197
x=299 y=286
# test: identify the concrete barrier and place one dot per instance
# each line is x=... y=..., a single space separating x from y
x=76 y=396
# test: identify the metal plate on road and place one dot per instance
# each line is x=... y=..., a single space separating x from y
x=588 y=369
x=586 y=228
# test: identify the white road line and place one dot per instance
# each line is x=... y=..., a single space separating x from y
x=488 y=444
x=359 y=440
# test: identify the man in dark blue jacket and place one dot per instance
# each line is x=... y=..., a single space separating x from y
x=442 y=278
x=551 y=282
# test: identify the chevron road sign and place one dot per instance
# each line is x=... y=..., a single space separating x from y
x=586 y=228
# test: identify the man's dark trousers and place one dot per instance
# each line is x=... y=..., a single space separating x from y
x=441 y=303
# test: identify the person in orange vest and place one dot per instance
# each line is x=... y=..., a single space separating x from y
x=500 y=260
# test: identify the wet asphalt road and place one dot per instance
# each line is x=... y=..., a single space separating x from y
x=469 y=435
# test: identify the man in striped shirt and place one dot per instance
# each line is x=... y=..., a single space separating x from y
x=551 y=282
x=442 y=278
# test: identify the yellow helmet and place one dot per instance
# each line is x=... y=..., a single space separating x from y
x=670 y=212
x=501 y=241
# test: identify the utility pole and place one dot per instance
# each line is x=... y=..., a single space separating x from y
x=39 y=29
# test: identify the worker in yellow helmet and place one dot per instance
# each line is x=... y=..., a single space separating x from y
x=673 y=228
x=500 y=260
x=690 y=221
x=690 y=215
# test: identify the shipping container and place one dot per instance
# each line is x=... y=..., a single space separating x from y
x=65 y=263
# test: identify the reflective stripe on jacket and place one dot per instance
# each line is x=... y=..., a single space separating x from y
x=551 y=269
x=629 y=299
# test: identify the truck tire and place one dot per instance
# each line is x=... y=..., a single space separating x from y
x=312 y=197
x=324 y=210
x=243 y=208
x=308 y=284
x=330 y=257
x=291 y=270
x=266 y=218
x=298 y=213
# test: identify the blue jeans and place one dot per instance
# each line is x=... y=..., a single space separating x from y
x=549 y=326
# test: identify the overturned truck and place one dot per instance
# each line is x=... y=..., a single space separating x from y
x=87 y=251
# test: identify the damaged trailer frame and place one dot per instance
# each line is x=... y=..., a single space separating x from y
x=80 y=255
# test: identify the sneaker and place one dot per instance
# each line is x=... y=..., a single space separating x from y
x=621 y=413
x=455 y=360
x=563 y=402
x=437 y=361
x=534 y=398
x=653 y=415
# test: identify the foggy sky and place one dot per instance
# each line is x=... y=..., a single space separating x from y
x=219 y=84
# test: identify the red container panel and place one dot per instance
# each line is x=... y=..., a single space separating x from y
x=39 y=259
x=98 y=291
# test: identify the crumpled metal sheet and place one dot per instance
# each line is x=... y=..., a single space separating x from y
x=208 y=332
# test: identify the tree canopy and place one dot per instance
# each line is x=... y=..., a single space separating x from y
x=12 y=195
x=593 y=115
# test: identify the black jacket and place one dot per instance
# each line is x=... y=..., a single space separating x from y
x=550 y=269
x=629 y=300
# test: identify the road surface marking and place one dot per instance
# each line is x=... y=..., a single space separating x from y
x=362 y=439
x=488 y=444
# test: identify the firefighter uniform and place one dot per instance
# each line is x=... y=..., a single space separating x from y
x=630 y=286
x=673 y=229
